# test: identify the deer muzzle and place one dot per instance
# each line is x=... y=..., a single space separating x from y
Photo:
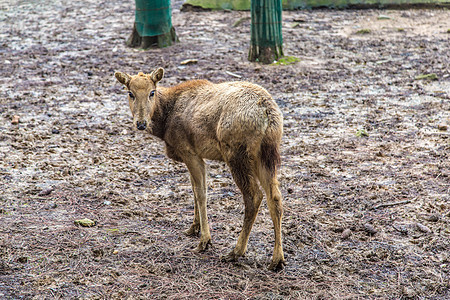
x=141 y=125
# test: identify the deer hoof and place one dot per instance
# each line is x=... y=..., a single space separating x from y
x=194 y=230
x=230 y=257
x=203 y=245
x=277 y=265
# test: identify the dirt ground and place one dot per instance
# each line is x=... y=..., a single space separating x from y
x=365 y=158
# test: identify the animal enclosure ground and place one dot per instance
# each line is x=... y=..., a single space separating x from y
x=365 y=158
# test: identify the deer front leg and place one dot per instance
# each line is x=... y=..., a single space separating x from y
x=195 y=227
x=196 y=167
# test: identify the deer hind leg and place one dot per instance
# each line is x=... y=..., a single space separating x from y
x=196 y=167
x=275 y=204
x=243 y=173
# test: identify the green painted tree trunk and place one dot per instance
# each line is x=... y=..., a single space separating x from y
x=266 y=44
x=152 y=25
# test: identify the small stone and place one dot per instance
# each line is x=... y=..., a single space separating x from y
x=23 y=259
x=442 y=127
x=423 y=228
x=299 y=20
x=45 y=192
x=370 y=229
x=52 y=205
x=433 y=218
x=4 y=268
x=346 y=234
x=408 y=292
x=15 y=120
x=98 y=252
x=401 y=228
x=380 y=154
x=290 y=190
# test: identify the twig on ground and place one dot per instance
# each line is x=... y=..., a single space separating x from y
x=389 y=204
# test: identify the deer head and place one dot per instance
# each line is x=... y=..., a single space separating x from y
x=142 y=95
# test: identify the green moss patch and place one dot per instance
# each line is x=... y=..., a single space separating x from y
x=431 y=76
x=364 y=31
x=286 y=60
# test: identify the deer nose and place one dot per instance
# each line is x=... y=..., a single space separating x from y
x=141 y=125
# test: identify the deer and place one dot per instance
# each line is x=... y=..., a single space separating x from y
x=237 y=122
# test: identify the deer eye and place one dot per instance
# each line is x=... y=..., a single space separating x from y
x=131 y=95
x=152 y=93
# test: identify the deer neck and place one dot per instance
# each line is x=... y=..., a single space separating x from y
x=163 y=109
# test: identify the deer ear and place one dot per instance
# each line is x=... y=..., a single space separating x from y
x=123 y=78
x=157 y=75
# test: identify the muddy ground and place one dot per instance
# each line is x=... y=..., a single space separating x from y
x=365 y=171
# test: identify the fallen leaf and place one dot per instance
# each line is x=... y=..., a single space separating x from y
x=361 y=133
x=189 y=62
x=85 y=222
x=15 y=120
x=431 y=76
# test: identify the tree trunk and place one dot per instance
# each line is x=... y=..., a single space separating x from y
x=157 y=41
x=152 y=25
x=266 y=44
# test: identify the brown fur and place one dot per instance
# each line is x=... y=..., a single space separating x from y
x=235 y=122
